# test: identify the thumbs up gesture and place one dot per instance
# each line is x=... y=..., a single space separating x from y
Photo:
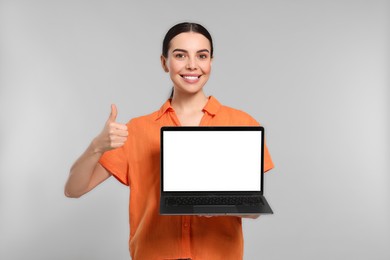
x=113 y=135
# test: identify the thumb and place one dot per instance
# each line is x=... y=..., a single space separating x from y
x=114 y=113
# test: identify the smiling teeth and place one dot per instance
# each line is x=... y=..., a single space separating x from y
x=191 y=77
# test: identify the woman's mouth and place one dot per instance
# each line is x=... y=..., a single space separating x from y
x=191 y=78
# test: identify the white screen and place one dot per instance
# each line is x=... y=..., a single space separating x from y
x=212 y=161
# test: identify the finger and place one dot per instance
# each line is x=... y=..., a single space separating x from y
x=114 y=113
x=118 y=139
x=118 y=142
x=114 y=137
x=116 y=145
x=113 y=126
x=117 y=132
x=121 y=133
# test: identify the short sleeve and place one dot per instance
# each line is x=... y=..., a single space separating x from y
x=116 y=163
x=268 y=163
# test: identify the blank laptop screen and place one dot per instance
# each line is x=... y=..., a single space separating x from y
x=212 y=161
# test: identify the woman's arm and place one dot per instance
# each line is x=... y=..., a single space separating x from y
x=86 y=173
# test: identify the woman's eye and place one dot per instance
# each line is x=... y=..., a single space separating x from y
x=203 y=56
x=179 y=55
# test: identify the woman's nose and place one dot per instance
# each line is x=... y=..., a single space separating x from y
x=191 y=63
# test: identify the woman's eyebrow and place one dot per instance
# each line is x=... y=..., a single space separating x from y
x=182 y=50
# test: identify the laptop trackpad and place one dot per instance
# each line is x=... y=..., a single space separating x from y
x=215 y=209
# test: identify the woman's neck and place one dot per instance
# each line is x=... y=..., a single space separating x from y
x=188 y=103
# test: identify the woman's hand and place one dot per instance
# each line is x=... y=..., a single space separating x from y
x=113 y=135
x=86 y=173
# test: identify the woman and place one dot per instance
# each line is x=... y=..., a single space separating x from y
x=131 y=154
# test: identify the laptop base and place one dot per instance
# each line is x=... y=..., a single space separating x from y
x=263 y=208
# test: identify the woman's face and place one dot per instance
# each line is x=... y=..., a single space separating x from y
x=188 y=62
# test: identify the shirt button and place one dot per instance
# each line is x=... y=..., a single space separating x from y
x=186 y=225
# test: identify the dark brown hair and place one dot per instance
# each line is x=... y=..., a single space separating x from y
x=182 y=28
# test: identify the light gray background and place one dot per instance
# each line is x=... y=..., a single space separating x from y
x=314 y=73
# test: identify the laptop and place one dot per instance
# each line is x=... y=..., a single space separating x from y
x=212 y=170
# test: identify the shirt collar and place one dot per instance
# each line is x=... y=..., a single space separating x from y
x=164 y=108
x=212 y=106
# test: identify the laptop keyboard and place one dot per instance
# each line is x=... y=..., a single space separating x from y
x=213 y=200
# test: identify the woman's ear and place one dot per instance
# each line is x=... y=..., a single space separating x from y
x=164 y=63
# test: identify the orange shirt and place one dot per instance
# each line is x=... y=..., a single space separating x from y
x=137 y=164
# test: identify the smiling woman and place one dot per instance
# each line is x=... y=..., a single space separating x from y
x=130 y=152
x=188 y=62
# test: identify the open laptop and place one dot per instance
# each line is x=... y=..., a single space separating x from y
x=212 y=170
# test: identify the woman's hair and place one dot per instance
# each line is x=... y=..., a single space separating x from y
x=182 y=28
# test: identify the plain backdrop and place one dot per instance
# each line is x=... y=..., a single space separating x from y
x=314 y=73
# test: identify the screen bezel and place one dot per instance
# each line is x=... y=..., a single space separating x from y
x=211 y=128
